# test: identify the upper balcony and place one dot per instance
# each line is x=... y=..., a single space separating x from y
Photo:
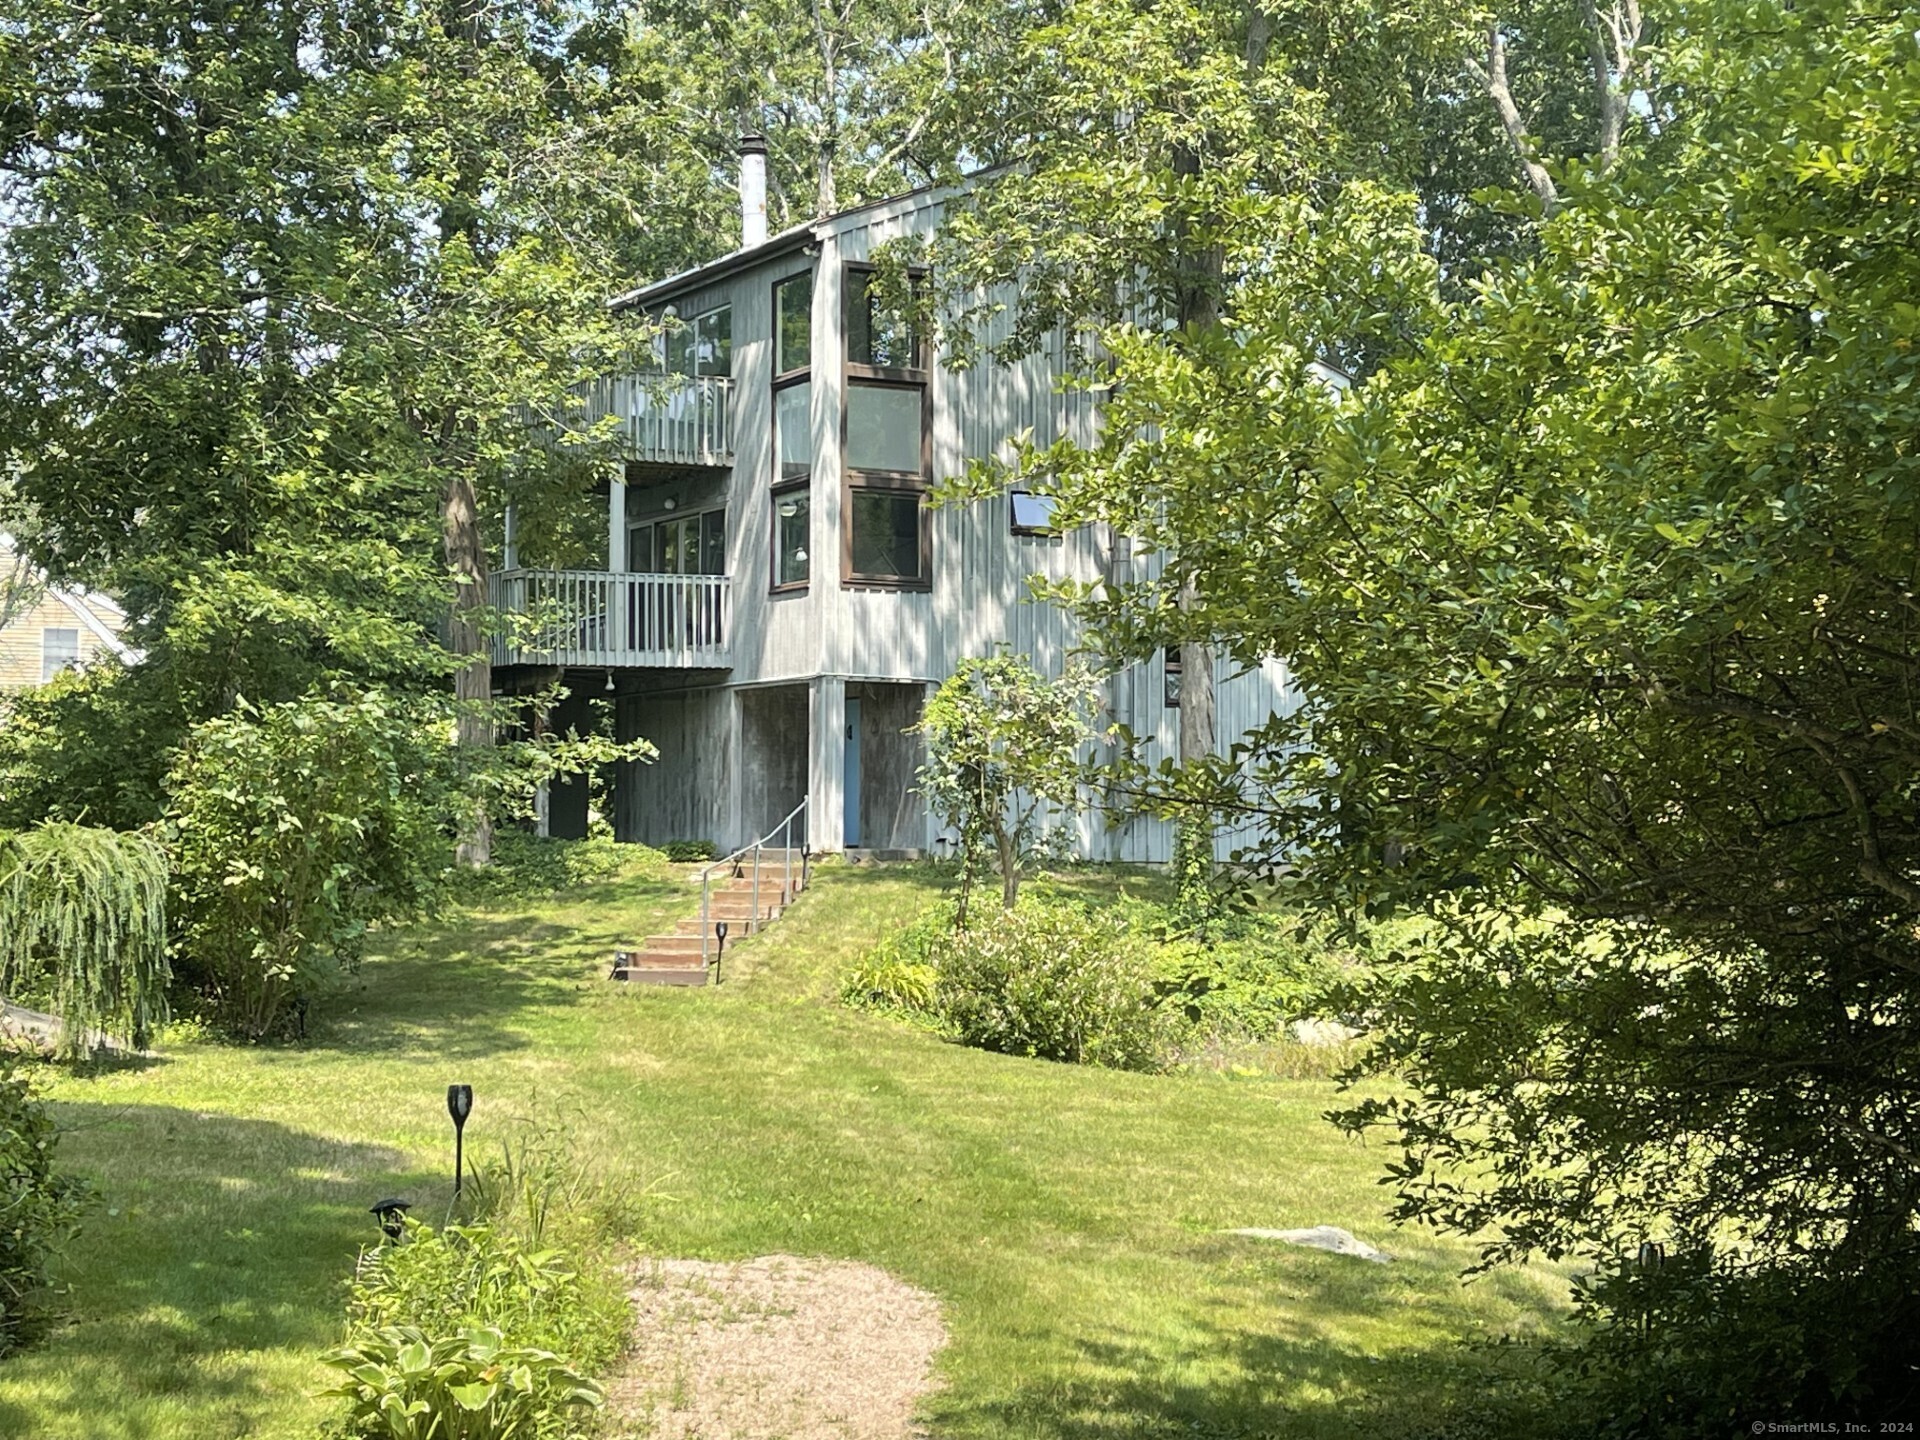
x=676 y=420
x=595 y=620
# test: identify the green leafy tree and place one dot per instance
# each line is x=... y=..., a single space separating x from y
x=1004 y=743
x=279 y=287
x=1598 y=583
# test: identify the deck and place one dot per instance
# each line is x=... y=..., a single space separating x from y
x=596 y=620
x=666 y=419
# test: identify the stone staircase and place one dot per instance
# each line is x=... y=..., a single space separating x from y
x=746 y=893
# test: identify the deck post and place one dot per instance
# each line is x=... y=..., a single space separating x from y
x=617 y=525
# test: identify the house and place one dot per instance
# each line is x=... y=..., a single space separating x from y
x=779 y=597
x=45 y=629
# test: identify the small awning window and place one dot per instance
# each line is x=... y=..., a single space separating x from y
x=1032 y=514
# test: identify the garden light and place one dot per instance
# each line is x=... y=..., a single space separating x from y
x=392 y=1215
x=459 y=1106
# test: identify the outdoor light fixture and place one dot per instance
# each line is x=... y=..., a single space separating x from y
x=609 y=682
x=720 y=935
x=800 y=557
x=392 y=1215
x=459 y=1106
x=788 y=509
x=1652 y=1255
x=667 y=504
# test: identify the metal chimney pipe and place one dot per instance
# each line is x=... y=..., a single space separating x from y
x=753 y=191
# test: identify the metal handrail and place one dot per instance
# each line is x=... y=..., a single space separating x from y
x=785 y=830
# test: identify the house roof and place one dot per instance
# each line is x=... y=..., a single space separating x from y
x=81 y=604
x=796 y=238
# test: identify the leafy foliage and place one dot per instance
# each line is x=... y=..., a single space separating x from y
x=1598 y=584
x=443 y=1281
x=83 y=922
x=402 y=1384
x=901 y=973
x=526 y=866
x=295 y=828
x=1053 y=979
x=1003 y=743
x=39 y=1208
x=687 y=851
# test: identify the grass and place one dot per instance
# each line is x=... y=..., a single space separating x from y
x=1069 y=1220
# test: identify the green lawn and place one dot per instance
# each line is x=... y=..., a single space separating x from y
x=1068 y=1219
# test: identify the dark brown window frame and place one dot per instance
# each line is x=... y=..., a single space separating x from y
x=892 y=378
x=801 y=486
x=780 y=484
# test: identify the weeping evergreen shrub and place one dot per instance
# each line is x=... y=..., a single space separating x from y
x=83 y=928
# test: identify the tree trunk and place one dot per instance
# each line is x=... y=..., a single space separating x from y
x=466 y=555
x=1198 y=300
x=1009 y=867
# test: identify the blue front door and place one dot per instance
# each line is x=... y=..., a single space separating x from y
x=852 y=821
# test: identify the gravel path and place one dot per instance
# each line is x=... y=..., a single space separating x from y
x=777 y=1348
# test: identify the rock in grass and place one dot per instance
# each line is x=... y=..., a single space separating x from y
x=1321 y=1237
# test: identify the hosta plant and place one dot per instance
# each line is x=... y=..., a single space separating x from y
x=401 y=1384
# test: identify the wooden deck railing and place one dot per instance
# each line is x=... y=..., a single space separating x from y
x=594 y=619
x=667 y=419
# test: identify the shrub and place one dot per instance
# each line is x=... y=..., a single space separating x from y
x=683 y=852
x=1698 y=1346
x=403 y=1384
x=1054 y=980
x=39 y=1209
x=444 y=1282
x=901 y=973
x=527 y=866
x=1255 y=976
x=296 y=827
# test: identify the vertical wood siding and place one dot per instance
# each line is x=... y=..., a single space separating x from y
x=831 y=635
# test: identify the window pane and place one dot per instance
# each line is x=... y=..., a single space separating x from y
x=1032 y=514
x=793 y=324
x=790 y=562
x=886 y=533
x=883 y=428
x=59 y=650
x=678 y=340
x=876 y=333
x=793 y=430
x=713 y=543
x=713 y=342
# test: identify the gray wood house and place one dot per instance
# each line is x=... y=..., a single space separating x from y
x=779 y=596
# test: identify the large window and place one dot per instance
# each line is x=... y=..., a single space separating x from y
x=59 y=650
x=680 y=545
x=701 y=344
x=792 y=508
x=885 y=437
x=792 y=431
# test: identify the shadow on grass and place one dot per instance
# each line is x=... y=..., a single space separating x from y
x=212 y=1239
x=1228 y=1382
x=464 y=985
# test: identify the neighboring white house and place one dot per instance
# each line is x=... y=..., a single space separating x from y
x=45 y=629
x=779 y=597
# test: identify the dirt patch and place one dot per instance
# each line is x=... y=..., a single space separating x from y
x=777 y=1348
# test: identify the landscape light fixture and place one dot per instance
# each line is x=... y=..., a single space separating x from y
x=392 y=1215
x=459 y=1106
x=720 y=935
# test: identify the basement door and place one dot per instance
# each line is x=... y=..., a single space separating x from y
x=851 y=819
